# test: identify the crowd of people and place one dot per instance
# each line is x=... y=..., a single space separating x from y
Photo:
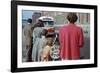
x=40 y=41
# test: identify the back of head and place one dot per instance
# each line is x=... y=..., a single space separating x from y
x=40 y=23
x=44 y=32
x=29 y=20
x=72 y=17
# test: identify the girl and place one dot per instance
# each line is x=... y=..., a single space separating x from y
x=45 y=54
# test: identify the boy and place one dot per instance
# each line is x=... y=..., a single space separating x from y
x=71 y=39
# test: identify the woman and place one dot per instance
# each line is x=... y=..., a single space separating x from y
x=71 y=39
x=36 y=40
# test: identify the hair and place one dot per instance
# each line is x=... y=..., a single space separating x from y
x=51 y=35
x=72 y=17
x=40 y=20
x=44 y=32
x=29 y=20
x=41 y=25
x=49 y=43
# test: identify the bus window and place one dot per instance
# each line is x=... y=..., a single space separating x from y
x=48 y=23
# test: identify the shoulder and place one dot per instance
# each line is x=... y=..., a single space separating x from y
x=47 y=47
x=36 y=28
x=79 y=28
x=27 y=26
x=62 y=28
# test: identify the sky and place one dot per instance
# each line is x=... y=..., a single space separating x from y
x=27 y=14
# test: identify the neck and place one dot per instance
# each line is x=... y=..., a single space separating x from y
x=72 y=23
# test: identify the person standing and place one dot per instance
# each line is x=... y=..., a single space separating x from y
x=28 y=39
x=41 y=43
x=36 y=40
x=71 y=39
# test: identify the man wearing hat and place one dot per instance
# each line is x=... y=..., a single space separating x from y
x=28 y=39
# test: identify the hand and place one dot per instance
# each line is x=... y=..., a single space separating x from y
x=28 y=46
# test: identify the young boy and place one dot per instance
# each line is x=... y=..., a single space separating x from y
x=71 y=39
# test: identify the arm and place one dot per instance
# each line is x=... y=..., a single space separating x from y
x=60 y=36
x=61 y=43
x=81 y=39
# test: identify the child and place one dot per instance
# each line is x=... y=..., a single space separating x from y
x=71 y=39
x=45 y=54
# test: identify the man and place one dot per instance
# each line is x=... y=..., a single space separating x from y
x=71 y=39
x=28 y=39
